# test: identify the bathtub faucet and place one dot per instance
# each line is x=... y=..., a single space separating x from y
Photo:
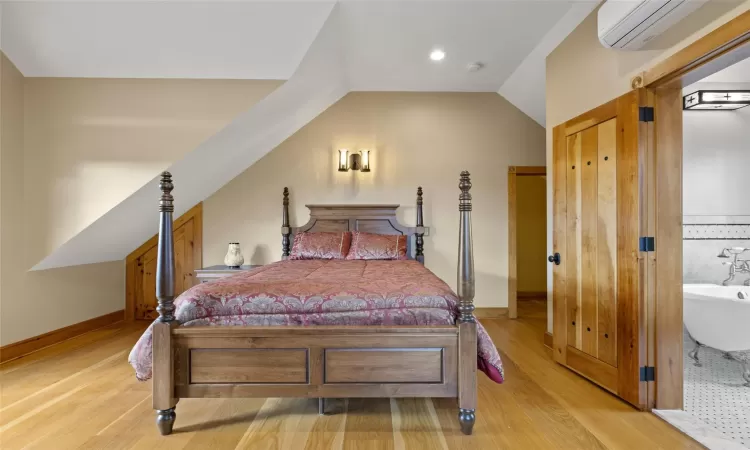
x=736 y=265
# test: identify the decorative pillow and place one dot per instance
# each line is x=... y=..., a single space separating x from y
x=377 y=246
x=321 y=245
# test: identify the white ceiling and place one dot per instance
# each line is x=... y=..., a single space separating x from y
x=387 y=44
x=736 y=73
x=384 y=46
x=246 y=40
x=323 y=50
x=525 y=88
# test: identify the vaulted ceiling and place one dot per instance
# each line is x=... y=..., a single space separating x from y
x=322 y=49
x=384 y=46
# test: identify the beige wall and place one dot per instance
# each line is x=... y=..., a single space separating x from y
x=531 y=234
x=32 y=303
x=418 y=139
x=582 y=74
x=72 y=149
x=93 y=142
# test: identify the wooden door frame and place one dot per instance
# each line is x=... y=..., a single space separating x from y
x=513 y=173
x=717 y=50
x=195 y=213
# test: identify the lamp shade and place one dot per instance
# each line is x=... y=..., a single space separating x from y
x=343 y=160
x=365 y=160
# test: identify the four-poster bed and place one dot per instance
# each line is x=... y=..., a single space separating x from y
x=324 y=361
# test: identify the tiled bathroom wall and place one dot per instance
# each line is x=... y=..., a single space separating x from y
x=716 y=204
x=703 y=239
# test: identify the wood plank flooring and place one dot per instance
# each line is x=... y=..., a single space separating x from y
x=83 y=394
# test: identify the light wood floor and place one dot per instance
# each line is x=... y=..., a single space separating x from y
x=83 y=394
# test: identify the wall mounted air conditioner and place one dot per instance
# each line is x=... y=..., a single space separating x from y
x=630 y=24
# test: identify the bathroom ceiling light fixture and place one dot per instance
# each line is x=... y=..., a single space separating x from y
x=357 y=161
x=715 y=100
x=437 y=55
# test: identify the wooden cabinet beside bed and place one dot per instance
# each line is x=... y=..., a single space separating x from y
x=318 y=361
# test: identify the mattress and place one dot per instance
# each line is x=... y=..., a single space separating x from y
x=323 y=292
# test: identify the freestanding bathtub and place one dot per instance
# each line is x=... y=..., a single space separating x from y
x=719 y=317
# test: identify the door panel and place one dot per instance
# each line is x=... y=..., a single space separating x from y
x=183 y=250
x=607 y=242
x=146 y=306
x=588 y=248
x=596 y=286
x=572 y=296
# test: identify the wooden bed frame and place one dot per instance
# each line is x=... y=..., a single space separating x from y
x=321 y=361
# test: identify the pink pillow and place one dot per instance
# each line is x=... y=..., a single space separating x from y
x=321 y=245
x=377 y=246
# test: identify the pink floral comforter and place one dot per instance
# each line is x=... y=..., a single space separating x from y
x=323 y=292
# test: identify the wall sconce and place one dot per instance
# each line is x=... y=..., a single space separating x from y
x=357 y=161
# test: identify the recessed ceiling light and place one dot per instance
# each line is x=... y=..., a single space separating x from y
x=437 y=55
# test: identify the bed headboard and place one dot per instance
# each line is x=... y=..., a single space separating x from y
x=379 y=219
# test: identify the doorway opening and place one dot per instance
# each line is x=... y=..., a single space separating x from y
x=527 y=236
x=716 y=257
x=685 y=185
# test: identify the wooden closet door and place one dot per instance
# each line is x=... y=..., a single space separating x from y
x=598 y=316
x=141 y=265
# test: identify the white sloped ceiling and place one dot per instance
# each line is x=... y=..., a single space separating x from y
x=324 y=49
x=315 y=85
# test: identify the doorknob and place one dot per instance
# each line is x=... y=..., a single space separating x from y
x=554 y=259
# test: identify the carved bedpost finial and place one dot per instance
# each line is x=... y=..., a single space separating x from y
x=419 y=250
x=464 y=200
x=465 y=253
x=286 y=231
x=165 y=252
x=165 y=184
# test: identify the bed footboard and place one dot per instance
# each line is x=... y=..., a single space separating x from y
x=327 y=362
x=321 y=361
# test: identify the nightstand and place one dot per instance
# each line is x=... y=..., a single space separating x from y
x=215 y=272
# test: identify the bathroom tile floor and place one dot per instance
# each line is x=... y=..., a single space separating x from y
x=715 y=393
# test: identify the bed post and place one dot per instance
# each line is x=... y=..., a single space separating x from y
x=467 y=327
x=164 y=400
x=286 y=231
x=419 y=255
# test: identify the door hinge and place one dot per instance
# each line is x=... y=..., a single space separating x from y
x=645 y=114
x=646 y=244
x=648 y=373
